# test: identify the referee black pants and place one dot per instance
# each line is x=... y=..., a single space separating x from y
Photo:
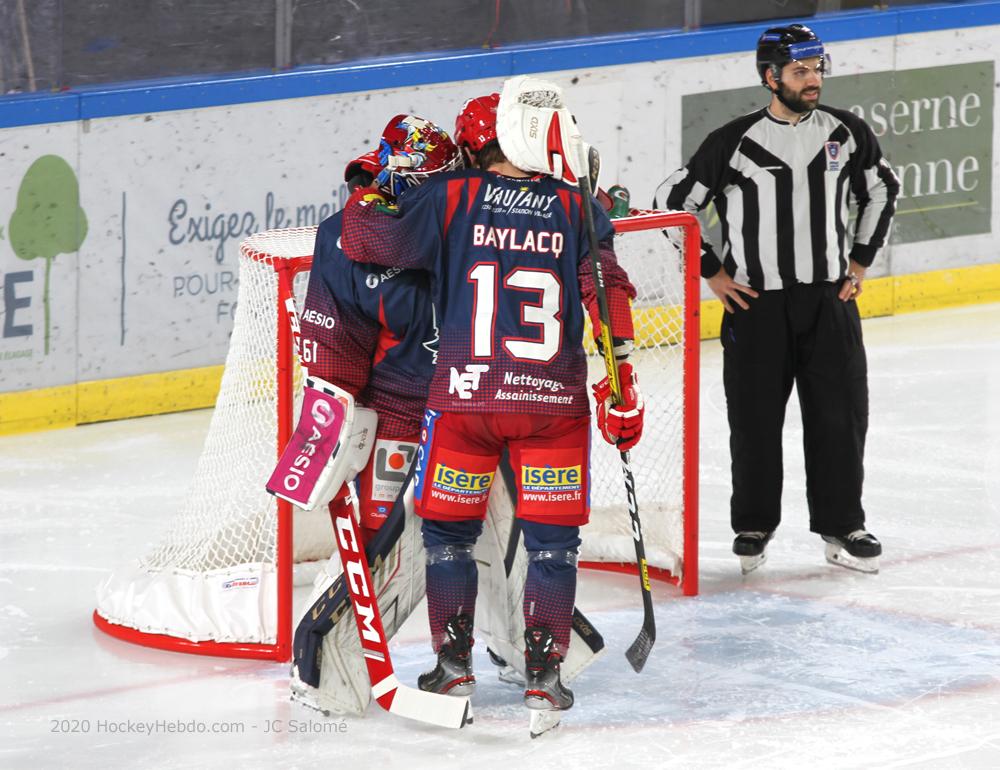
x=806 y=335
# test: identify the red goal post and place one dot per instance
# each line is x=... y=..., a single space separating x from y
x=660 y=250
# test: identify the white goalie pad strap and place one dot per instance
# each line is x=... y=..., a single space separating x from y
x=331 y=444
x=536 y=131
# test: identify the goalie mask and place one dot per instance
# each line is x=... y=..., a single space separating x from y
x=410 y=151
x=536 y=131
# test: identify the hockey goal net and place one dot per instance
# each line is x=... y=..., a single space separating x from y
x=221 y=583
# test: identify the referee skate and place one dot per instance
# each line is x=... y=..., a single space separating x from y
x=751 y=548
x=858 y=550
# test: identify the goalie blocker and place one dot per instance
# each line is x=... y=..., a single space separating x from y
x=330 y=446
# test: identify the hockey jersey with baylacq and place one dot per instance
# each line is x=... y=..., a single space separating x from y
x=782 y=191
x=370 y=330
x=509 y=266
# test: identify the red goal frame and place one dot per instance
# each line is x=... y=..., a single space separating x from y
x=286 y=269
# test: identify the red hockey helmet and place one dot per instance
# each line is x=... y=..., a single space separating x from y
x=476 y=124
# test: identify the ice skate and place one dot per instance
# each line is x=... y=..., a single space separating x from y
x=506 y=673
x=453 y=673
x=751 y=548
x=544 y=692
x=858 y=550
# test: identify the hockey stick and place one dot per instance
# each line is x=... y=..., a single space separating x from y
x=387 y=690
x=325 y=613
x=389 y=693
x=643 y=644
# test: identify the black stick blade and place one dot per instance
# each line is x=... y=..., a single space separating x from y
x=638 y=653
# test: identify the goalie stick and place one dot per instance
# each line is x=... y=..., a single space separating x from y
x=387 y=690
x=643 y=644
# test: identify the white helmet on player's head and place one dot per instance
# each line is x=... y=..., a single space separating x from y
x=536 y=131
x=410 y=151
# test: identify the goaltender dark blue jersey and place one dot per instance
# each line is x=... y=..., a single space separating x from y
x=370 y=330
x=509 y=266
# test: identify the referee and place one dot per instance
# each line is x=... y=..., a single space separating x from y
x=788 y=273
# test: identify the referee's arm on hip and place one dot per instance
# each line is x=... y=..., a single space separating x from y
x=875 y=189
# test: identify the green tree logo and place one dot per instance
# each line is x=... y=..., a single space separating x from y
x=48 y=219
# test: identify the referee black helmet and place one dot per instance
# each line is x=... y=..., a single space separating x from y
x=780 y=45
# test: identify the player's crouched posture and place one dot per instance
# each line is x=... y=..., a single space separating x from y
x=507 y=254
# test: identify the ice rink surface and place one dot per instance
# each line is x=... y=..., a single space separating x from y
x=799 y=664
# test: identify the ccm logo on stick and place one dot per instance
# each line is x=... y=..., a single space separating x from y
x=355 y=571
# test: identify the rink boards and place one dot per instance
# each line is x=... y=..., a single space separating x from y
x=135 y=318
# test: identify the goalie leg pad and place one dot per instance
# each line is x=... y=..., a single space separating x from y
x=331 y=444
x=326 y=650
x=324 y=613
x=503 y=567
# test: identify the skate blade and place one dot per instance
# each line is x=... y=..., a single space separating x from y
x=841 y=558
x=749 y=563
x=544 y=721
x=462 y=689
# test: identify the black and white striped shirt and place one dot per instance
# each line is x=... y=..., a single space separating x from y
x=782 y=192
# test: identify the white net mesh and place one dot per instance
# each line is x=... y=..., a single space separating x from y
x=656 y=268
x=228 y=517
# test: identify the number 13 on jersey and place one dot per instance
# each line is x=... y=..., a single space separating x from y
x=543 y=313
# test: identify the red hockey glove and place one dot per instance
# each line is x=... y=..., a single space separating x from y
x=621 y=425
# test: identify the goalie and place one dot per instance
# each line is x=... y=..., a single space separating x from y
x=368 y=338
x=368 y=333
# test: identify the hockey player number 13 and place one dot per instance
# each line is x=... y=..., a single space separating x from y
x=542 y=314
